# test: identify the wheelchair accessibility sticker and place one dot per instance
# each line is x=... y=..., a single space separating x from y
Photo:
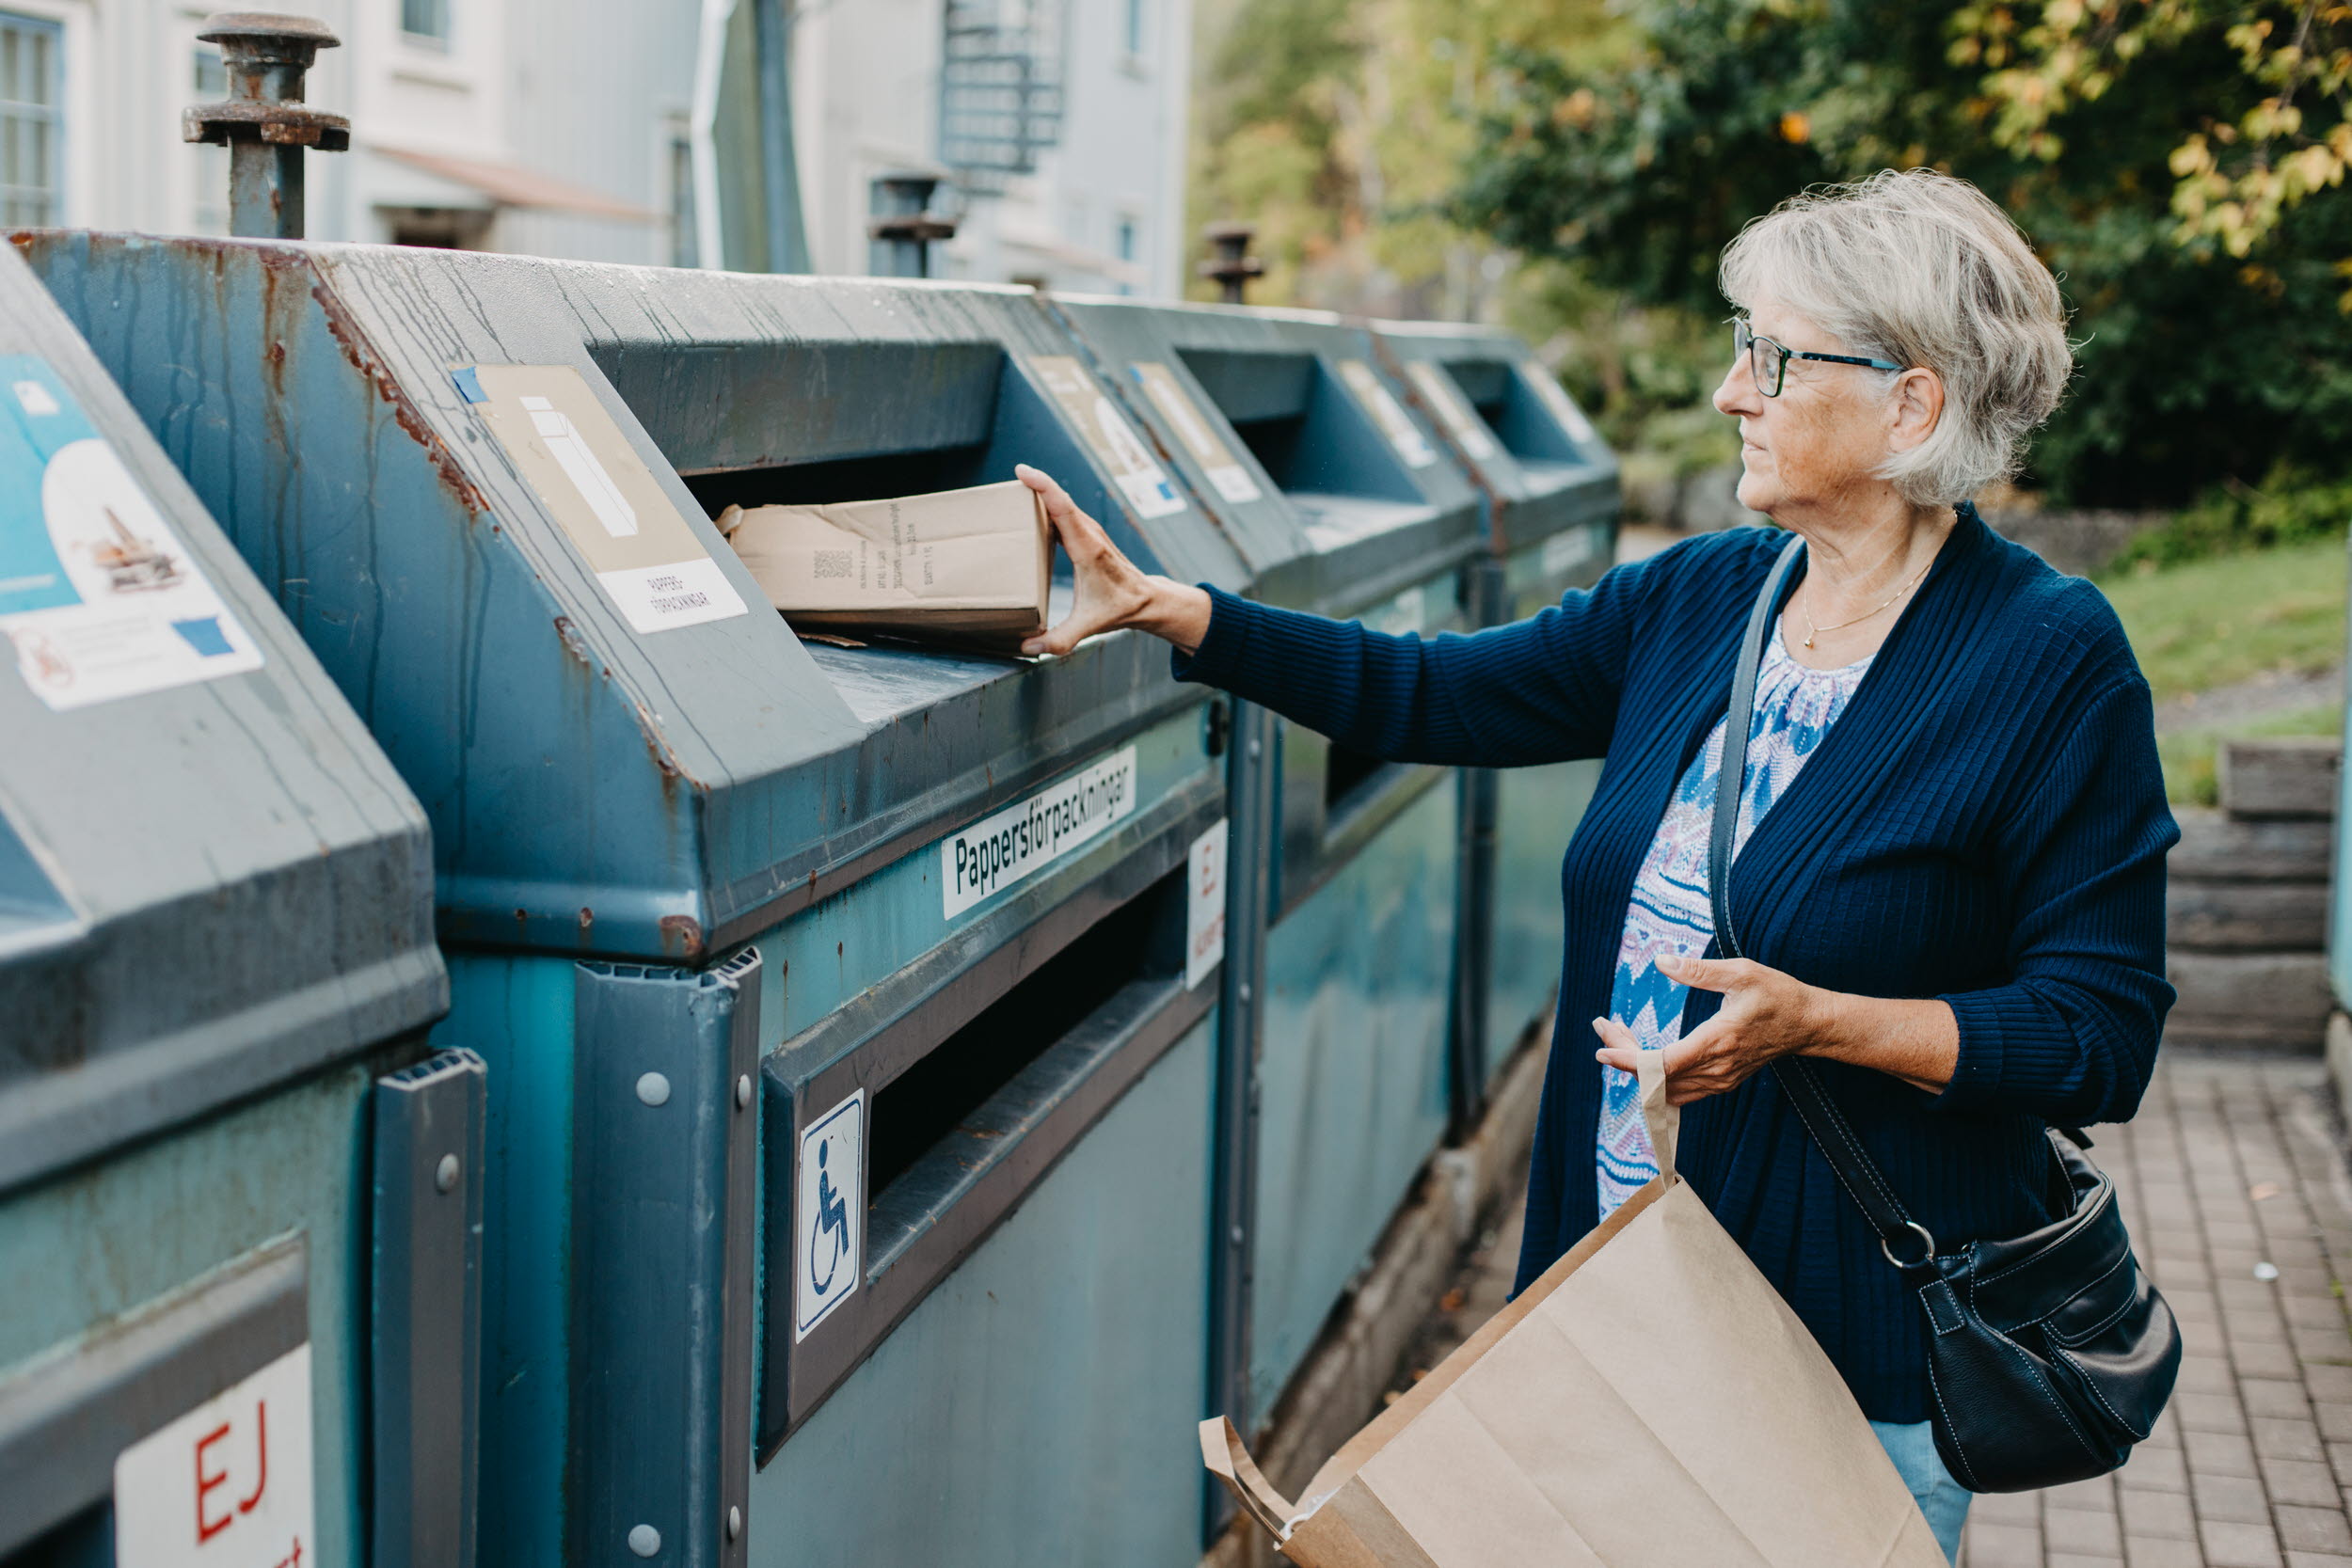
x=828 y=1214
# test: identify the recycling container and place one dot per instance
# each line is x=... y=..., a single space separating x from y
x=1341 y=501
x=849 y=1010
x=237 y=1199
x=1549 y=486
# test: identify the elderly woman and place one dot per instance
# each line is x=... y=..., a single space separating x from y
x=1949 y=873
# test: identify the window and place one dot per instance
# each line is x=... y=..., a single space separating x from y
x=685 y=250
x=1126 y=251
x=32 y=126
x=1135 y=32
x=425 y=20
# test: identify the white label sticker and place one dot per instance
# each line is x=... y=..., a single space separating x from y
x=1204 y=905
x=997 y=851
x=97 y=596
x=1444 y=396
x=829 y=1215
x=1555 y=397
x=1389 y=414
x=1231 y=477
x=1108 y=436
x=614 y=511
x=227 y=1485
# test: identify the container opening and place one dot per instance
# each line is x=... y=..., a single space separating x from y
x=1347 y=775
x=1302 y=423
x=759 y=423
x=1528 y=429
x=1143 y=939
x=849 y=479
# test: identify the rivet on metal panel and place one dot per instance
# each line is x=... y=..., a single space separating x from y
x=644 y=1539
x=743 y=1091
x=1245 y=991
x=654 y=1089
x=1256 y=747
x=445 y=1174
x=1238 y=1235
x=734 y=1524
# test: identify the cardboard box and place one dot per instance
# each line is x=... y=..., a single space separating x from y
x=970 y=567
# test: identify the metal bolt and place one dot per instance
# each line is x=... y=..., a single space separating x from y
x=1256 y=746
x=903 y=227
x=1238 y=1235
x=264 y=122
x=654 y=1089
x=1243 y=992
x=445 y=1174
x=644 y=1539
x=743 y=1092
x=1233 y=266
x=734 y=1524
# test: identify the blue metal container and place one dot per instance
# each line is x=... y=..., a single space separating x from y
x=1343 y=501
x=840 y=1207
x=1550 y=486
x=222 y=1238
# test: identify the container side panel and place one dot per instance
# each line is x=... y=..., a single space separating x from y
x=82 y=1250
x=1354 y=1074
x=517 y=1014
x=1538 y=810
x=1037 y=1408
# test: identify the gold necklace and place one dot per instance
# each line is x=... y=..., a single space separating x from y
x=1812 y=631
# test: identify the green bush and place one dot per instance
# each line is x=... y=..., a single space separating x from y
x=2293 y=506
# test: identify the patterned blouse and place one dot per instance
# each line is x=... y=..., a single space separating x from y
x=1671 y=912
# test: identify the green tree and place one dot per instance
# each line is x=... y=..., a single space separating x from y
x=2179 y=163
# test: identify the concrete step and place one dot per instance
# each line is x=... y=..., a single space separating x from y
x=2288 y=777
x=2217 y=847
x=2271 y=1001
x=2275 y=918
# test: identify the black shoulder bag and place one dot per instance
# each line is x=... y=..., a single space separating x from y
x=2050 y=1354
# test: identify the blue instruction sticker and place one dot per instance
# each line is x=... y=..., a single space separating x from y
x=98 y=597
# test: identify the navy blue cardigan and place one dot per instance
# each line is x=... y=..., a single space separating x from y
x=1986 y=824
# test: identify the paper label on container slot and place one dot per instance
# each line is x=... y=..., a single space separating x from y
x=1397 y=425
x=1108 y=436
x=980 y=860
x=226 y=1485
x=829 y=1215
x=97 y=596
x=1555 y=397
x=1229 y=476
x=1204 y=905
x=580 y=466
x=1444 y=396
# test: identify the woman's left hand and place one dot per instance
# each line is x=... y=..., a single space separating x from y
x=1765 y=1015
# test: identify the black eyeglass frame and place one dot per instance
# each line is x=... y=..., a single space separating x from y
x=1745 y=340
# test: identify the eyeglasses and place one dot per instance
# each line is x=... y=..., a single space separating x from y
x=1768 y=361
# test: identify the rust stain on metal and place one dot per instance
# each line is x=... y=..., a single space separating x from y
x=406 y=413
x=682 y=935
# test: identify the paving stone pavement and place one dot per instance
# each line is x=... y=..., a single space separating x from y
x=2232 y=1164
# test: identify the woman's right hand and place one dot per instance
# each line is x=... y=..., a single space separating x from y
x=1111 y=593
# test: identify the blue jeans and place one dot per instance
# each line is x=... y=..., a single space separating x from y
x=1943 y=1500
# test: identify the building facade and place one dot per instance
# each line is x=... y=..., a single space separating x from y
x=599 y=130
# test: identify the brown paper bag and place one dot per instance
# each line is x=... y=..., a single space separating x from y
x=970 y=566
x=1650 y=1400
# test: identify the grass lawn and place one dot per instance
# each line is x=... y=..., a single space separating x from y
x=2214 y=622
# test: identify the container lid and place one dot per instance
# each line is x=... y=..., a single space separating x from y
x=210 y=880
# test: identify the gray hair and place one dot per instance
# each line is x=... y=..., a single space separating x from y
x=1922 y=269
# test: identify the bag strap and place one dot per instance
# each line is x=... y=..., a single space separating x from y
x=1827 y=1125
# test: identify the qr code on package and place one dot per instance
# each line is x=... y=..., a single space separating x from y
x=833 y=564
